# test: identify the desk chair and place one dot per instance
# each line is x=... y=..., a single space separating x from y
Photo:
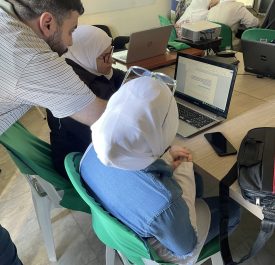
x=258 y=34
x=49 y=190
x=226 y=34
x=172 y=43
x=116 y=236
x=118 y=42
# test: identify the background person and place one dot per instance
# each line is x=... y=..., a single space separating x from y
x=90 y=57
x=232 y=14
x=180 y=9
x=196 y=11
x=153 y=195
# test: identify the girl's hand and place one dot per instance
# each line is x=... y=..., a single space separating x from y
x=180 y=154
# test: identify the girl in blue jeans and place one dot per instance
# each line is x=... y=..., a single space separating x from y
x=130 y=173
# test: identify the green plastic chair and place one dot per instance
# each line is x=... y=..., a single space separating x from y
x=116 y=236
x=258 y=34
x=49 y=190
x=172 y=43
x=226 y=34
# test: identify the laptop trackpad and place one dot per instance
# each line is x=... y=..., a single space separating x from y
x=186 y=129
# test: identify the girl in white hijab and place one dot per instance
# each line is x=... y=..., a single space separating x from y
x=90 y=58
x=92 y=50
x=152 y=194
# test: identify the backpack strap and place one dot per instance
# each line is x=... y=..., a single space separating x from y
x=267 y=224
x=225 y=183
x=267 y=229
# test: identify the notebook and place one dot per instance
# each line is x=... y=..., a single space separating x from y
x=203 y=93
x=259 y=57
x=145 y=44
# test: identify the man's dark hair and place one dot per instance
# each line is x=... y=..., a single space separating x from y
x=60 y=9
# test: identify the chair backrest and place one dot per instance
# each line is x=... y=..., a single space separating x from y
x=258 y=34
x=108 y=229
x=32 y=156
x=172 y=44
x=116 y=235
x=226 y=34
x=164 y=21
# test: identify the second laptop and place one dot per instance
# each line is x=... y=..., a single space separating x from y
x=145 y=44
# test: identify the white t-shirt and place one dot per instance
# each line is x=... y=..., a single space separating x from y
x=31 y=74
x=232 y=14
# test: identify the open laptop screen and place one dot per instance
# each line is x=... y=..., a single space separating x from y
x=205 y=83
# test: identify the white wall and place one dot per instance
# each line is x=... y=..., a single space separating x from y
x=99 y=6
x=123 y=22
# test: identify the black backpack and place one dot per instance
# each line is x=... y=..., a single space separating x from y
x=256 y=176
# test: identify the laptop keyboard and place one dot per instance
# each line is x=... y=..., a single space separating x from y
x=192 y=117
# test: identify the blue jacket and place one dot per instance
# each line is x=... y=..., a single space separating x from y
x=148 y=201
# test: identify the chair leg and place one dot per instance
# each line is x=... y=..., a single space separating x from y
x=110 y=256
x=43 y=207
x=124 y=259
x=216 y=259
x=149 y=262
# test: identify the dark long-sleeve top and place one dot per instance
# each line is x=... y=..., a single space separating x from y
x=68 y=135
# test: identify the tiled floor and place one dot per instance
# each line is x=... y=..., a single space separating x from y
x=76 y=244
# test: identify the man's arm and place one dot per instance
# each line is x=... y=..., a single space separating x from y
x=91 y=112
x=48 y=81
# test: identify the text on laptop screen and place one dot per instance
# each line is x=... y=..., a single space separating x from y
x=209 y=84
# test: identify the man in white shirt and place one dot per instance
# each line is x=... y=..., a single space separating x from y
x=232 y=14
x=34 y=33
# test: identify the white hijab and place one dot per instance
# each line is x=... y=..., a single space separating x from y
x=89 y=42
x=196 y=11
x=131 y=134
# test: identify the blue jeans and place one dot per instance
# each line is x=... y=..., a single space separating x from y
x=8 y=252
x=214 y=206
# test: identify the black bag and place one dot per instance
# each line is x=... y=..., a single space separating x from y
x=256 y=176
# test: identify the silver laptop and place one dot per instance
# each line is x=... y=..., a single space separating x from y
x=145 y=44
x=203 y=93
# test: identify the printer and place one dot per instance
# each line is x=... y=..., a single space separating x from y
x=200 y=31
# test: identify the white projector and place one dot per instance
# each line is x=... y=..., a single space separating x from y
x=200 y=31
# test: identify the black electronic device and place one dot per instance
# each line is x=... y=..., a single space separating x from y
x=226 y=60
x=269 y=20
x=220 y=144
x=261 y=6
x=259 y=57
x=226 y=53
